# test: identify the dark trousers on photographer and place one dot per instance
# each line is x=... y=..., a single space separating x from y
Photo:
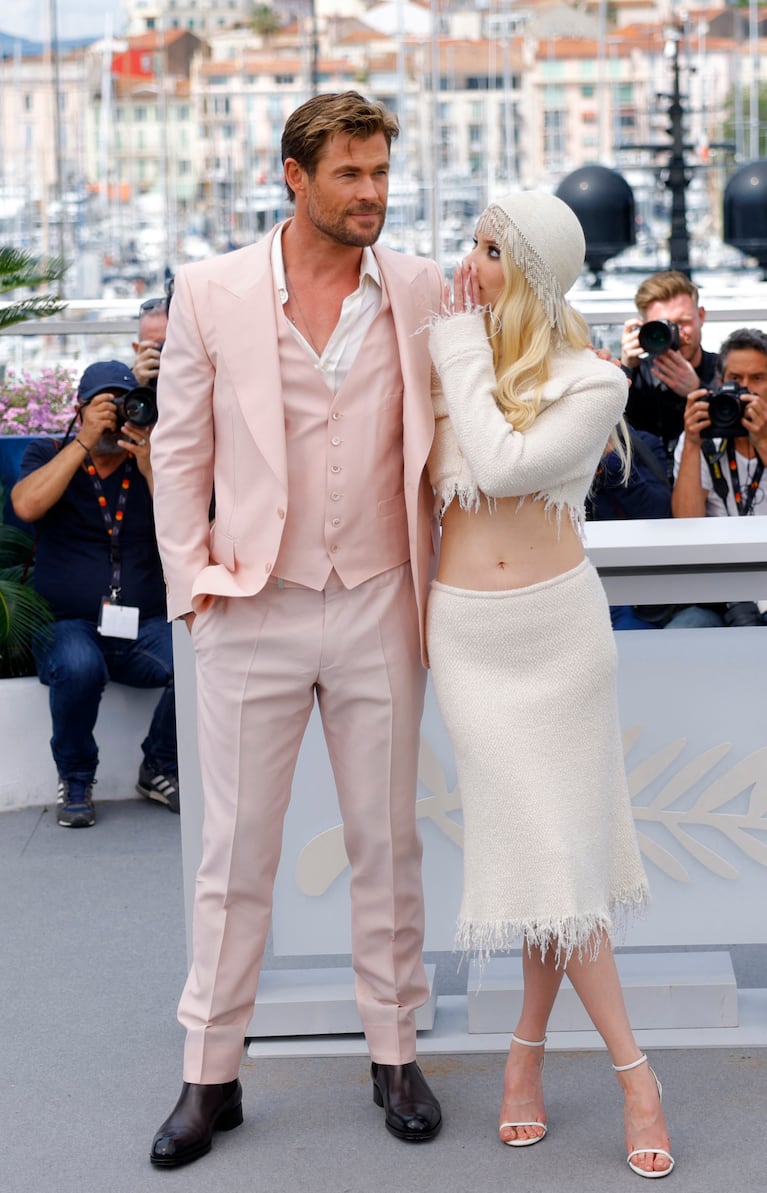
x=75 y=662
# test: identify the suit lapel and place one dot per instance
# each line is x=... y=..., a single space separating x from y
x=246 y=331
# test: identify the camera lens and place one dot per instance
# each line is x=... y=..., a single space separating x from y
x=725 y=409
x=139 y=406
x=657 y=336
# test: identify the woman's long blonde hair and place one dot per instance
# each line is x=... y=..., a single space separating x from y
x=523 y=343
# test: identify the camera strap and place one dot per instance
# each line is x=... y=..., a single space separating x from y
x=113 y=524
x=713 y=458
x=743 y=507
x=719 y=481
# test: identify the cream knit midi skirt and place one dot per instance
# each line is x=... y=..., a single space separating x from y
x=525 y=682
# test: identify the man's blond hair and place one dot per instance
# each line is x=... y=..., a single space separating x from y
x=660 y=287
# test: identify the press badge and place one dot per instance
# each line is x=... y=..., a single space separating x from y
x=117 y=621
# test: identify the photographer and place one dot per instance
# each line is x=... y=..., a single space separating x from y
x=666 y=366
x=152 y=324
x=97 y=565
x=720 y=458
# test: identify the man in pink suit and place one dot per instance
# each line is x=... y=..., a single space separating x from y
x=295 y=387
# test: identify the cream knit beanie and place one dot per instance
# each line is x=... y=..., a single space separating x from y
x=544 y=238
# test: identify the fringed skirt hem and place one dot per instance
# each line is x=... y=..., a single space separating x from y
x=580 y=935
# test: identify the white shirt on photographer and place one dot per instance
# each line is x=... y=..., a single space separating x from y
x=715 y=507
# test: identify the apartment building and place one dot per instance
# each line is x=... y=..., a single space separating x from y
x=489 y=97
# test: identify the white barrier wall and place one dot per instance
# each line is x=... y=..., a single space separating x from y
x=28 y=775
x=696 y=751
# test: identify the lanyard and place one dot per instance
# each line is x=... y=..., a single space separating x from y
x=743 y=507
x=113 y=525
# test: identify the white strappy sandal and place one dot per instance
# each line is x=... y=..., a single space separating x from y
x=534 y=1138
x=657 y=1151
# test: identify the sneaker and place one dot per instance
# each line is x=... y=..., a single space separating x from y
x=74 y=803
x=160 y=787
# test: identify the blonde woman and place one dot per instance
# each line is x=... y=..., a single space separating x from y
x=521 y=649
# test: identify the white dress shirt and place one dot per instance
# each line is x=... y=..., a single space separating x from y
x=358 y=311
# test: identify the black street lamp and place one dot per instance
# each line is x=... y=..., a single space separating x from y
x=678 y=177
x=677 y=174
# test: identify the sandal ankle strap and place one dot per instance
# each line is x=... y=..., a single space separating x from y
x=634 y=1065
x=528 y=1044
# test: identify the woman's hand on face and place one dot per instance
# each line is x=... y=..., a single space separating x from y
x=464 y=298
x=465 y=289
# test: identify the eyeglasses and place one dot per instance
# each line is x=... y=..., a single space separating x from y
x=152 y=304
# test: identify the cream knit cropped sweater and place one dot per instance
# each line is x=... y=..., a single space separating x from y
x=476 y=451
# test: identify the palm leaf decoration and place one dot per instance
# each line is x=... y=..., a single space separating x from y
x=23 y=612
x=23 y=271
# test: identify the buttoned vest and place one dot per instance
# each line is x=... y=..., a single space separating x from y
x=346 y=500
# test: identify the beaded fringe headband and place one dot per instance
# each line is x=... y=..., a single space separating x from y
x=497 y=223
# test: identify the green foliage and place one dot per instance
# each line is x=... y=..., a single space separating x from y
x=23 y=612
x=265 y=20
x=23 y=271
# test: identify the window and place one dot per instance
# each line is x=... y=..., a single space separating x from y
x=490 y=82
x=554 y=96
x=475 y=136
x=553 y=137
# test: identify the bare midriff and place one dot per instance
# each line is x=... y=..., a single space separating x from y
x=509 y=546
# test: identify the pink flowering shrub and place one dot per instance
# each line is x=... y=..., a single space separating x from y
x=41 y=405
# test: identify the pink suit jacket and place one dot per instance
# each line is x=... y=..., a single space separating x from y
x=222 y=422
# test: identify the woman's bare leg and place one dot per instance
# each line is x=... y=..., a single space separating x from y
x=523 y=1082
x=597 y=984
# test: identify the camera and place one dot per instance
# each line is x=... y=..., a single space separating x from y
x=152 y=381
x=659 y=335
x=726 y=409
x=137 y=406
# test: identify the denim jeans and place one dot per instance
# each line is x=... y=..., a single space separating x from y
x=695 y=617
x=624 y=617
x=75 y=661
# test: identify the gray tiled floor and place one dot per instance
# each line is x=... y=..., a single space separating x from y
x=91 y=924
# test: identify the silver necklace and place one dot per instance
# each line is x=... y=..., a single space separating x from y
x=293 y=297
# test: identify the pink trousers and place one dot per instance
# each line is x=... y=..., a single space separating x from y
x=260 y=662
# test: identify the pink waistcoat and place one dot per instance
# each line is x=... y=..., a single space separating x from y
x=346 y=501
